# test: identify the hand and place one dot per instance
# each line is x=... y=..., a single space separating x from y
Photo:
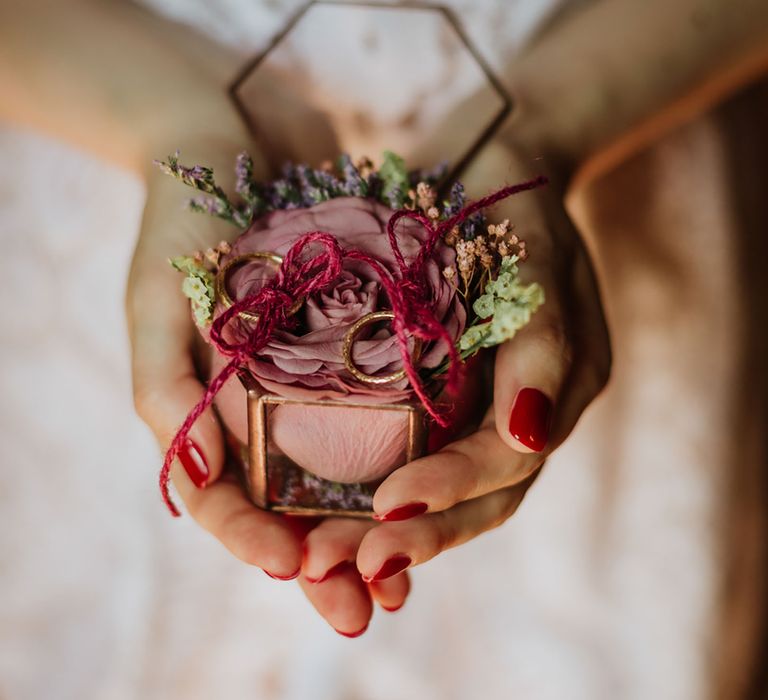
x=544 y=379
x=166 y=386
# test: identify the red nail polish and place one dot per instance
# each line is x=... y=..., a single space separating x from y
x=529 y=419
x=277 y=577
x=392 y=610
x=333 y=571
x=393 y=565
x=352 y=635
x=409 y=510
x=193 y=461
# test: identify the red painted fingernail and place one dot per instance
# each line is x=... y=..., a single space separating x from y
x=333 y=571
x=352 y=635
x=409 y=510
x=393 y=565
x=529 y=419
x=277 y=577
x=193 y=461
x=391 y=610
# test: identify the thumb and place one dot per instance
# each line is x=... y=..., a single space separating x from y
x=530 y=371
x=166 y=389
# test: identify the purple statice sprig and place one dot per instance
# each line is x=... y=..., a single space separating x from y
x=214 y=200
x=301 y=186
x=246 y=186
x=455 y=202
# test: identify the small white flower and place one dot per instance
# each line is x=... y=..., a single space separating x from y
x=509 y=318
x=195 y=289
x=506 y=286
x=508 y=264
x=484 y=305
x=202 y=315
x=473 y=336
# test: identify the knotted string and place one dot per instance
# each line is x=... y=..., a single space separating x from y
x=408 y=294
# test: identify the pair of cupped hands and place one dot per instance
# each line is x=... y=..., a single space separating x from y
x=544 y=378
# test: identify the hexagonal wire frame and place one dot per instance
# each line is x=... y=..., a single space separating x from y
x=453 y=22
x=454 y=173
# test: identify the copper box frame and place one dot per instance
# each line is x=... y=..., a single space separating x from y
x=256 y=473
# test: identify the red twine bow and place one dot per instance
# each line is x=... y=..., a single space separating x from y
x=408 y=296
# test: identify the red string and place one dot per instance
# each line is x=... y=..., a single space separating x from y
x=408 y=294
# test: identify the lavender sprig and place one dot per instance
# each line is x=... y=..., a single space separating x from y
x=250 y=190
x=456 y=201
x=302 y=186
x=354 y=184
x=201 y=178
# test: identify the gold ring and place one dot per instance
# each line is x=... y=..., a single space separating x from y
x=220 y=283
x=349 y=341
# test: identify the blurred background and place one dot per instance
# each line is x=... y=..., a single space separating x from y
x=635 y=568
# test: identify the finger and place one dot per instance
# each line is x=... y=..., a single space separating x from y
x=331 y=548
x=254 y=536
x=166 y=388
x=343 y=601
x=529 y=373
x=391 y=593
x=464 y=470
x=392 y=548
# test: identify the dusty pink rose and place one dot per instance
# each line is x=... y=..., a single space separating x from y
x=308 y=364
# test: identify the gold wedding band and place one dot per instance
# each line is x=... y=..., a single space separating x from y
x=349 y=341
x=220 y=283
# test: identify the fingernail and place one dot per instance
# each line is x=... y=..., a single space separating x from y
x=193 y=461
x=277 y=577
x=392 y=610
x=409 y=510
x=393 y=565
x=352 y=635
x=529 y=419
x=333 y=571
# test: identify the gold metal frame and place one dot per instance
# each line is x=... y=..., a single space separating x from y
x=462 y=162
x=257 y=478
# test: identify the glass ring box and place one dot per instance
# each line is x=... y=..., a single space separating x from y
x=337 y=70
x=326 y=437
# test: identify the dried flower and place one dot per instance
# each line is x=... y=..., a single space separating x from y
x=452 y=237
x=482 y=252
x=498 y=230
x=507 y=302
x=426 y=196
x=465 y=260
x=484 y=305
x=197 y=286
x=201 y=178
x=365 y=166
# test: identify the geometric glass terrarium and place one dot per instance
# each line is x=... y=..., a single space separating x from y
x=337 y=79
x=285 y=467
